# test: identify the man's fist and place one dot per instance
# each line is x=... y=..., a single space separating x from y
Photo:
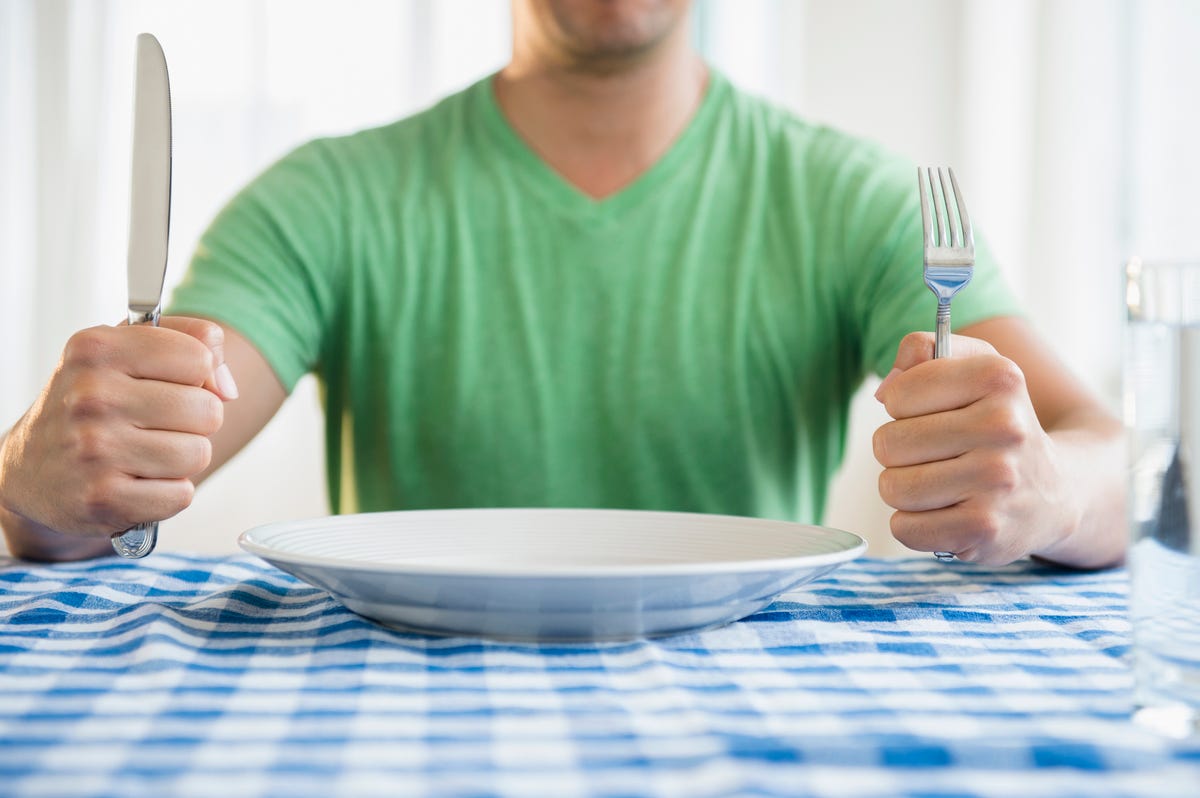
x=967 y=465
x=119 y=430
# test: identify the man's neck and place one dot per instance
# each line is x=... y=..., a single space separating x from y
x=602 y=126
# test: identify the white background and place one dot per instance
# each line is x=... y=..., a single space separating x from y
x=1071 y=124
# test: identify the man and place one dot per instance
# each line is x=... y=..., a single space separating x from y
x=602 y=278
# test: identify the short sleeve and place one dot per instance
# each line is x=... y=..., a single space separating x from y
x=267 y=265
x=884 y=255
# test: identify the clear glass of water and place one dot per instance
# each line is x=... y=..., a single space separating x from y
x=1162 y=416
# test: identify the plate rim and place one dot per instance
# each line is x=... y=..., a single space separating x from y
x=521 y=571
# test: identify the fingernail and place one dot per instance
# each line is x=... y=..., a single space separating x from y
x=883 y=384
x=223 y=377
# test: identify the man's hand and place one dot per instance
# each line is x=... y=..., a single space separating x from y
x=968 y=465
x=117 y=433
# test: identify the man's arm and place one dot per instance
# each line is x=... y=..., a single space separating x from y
x=131 y=421
x=999 y=452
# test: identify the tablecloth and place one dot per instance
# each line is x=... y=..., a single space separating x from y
x=191 y=675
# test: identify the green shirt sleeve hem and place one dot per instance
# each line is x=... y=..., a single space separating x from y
x=287 y=369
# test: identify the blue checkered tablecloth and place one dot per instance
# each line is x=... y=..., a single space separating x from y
x=225 y=677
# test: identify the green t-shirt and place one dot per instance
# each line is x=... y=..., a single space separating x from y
x=484 y=334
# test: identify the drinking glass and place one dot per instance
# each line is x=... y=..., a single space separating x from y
x=1162 y=418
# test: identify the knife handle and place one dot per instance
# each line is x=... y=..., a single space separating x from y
x=138 y=541
x=145 y=316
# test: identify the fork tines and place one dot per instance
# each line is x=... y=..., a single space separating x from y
x=949 y=245
x=950 y=240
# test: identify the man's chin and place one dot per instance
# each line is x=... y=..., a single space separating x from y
x=610 y=58
x=613 y=37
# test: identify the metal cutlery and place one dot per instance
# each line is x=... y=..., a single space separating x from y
x=149 y=221
x=949 y=244
x=949 y=252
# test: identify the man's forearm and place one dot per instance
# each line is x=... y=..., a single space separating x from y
x=1092 y=459
x=30 y=540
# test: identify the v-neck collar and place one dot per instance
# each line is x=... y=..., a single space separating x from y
x=564 y=196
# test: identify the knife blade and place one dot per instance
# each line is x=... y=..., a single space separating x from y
x=149 y=221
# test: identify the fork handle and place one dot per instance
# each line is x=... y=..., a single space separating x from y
x=941 y=348
x=941 y=344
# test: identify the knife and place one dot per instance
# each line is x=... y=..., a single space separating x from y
x=149 y=221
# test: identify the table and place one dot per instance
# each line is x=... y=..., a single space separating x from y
x=188 y=675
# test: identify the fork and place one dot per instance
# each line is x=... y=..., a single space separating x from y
x=949 y=254
x=949 y=245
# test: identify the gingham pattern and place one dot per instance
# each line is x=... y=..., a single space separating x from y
x=224 y=677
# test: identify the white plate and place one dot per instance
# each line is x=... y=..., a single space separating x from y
x=552 y=574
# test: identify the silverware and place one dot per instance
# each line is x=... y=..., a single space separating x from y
x=949 y=245
x=949 y=252
x=149 y=221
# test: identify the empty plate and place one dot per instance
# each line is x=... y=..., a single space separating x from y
x=551 y=574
